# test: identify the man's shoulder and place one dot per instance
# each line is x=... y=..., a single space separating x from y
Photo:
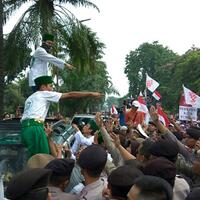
x=56 y=193
x=140 y=113
x=39 y=50
x=44 y=94
x=68 y=196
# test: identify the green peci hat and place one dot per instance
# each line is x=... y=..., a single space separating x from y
x=94 y=128
x=93 y=125
x=47 y=36
x=43 y=80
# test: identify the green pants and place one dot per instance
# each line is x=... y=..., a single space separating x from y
x=34 y=138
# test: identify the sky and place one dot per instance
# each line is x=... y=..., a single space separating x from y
x=123 y=25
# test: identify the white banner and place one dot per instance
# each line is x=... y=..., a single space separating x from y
x=191 y=98
x=151 y=84
x=187 y=113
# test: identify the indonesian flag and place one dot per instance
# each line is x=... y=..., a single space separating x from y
x=191 y=98
x=143 y=108
x=182 y=101
x=157 y=95
x=162 y=116
x=151 y=84
x=113 y=110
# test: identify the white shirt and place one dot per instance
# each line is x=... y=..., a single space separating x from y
x=181 y=188
x=80 y=139
x=37 y=105
x=39 y=64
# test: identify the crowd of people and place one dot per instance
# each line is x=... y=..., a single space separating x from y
x=121 y=158
x=111 y=161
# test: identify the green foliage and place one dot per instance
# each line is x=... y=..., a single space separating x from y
x=13 y=97
x=147 y=58
x=47 y=16
x=97 y=80
x=74 y=42
x=83 y=47
x=169 y=69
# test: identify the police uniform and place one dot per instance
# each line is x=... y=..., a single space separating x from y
x=92 y=158
x=60 y=168
x=40 y=60
x=35 y=111
x=94 y=191
x=58 y=194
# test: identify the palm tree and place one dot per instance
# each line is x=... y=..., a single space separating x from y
x=41 y=17
x=1 y=60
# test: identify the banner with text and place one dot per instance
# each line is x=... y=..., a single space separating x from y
x=187 y=113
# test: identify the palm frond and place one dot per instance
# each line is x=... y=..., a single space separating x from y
x=83 y=3
x=9 y=6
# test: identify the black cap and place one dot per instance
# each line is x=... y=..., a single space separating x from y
x=165 y=148
x=93 y=157
x=193 y=133
x=61 y=167
x=124 y=176
x=122 y=179
x=26 y=181
x=162 y=168
x=48 y=36
x=43 y=80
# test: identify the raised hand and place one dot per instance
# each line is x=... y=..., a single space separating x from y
x=153 y=113
x=115 y=139
x=98 y=119
x=96 y=135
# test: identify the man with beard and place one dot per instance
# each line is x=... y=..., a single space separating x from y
x=41 y=58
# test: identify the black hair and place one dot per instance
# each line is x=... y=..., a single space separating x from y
x=120 y=186
x=39 y=194
x=135 y=164
x=57 y=180
x=94 y=173
x=153 y=188
x=144 y=149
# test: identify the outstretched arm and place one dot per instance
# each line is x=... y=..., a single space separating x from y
x=75 y=94
x=124 y=153
x=69 y=66
x=164 y=130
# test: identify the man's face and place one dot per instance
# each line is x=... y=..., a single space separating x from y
x=46 y=87
x=49 y=43
x=132 y=194
x=134 y=108
x=151 y=128
x=49 y=87
x=87 y=130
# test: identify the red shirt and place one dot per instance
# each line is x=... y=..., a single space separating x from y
x=136 y=117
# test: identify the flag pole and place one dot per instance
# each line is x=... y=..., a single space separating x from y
x=145 y=91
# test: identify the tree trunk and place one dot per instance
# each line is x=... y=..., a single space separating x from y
x=1 y=61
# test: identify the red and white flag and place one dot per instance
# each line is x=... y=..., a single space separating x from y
x=157 y=95
x=191 y=98
x=182 y=101
x=163 y=116
x=151 y=84
x=143 y=108
x=113 y=110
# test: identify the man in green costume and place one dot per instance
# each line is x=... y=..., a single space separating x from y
x=35 y=111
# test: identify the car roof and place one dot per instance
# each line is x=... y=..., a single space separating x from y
x=84 y=115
